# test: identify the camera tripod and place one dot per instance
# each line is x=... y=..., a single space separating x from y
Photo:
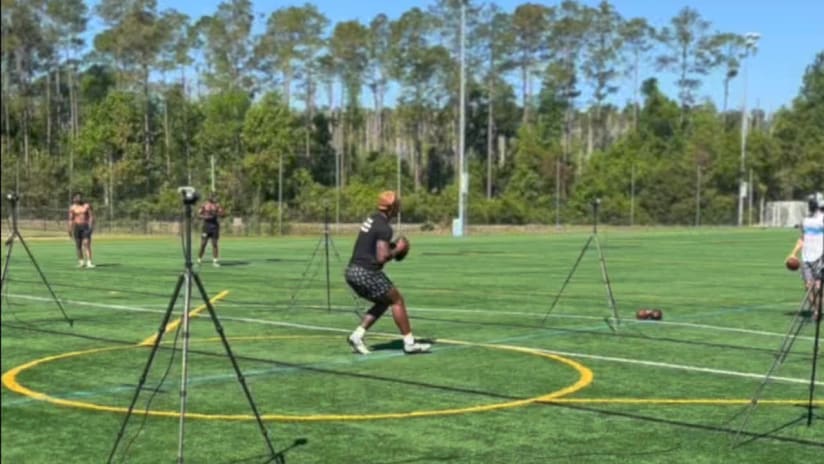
x=13 y=198
x=593 y=238
x=326 y=244
x=810 y=305
x=184 y=282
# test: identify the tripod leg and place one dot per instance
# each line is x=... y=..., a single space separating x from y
x=303 y=278
x=10 y=244
x=43 y=277
x=816 y=345
x=605 y=277
x=569 y=277
x=328 y=283
x=160 y=331
x=235 y=366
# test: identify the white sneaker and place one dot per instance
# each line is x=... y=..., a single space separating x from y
x=416 y=348
x=199 y=261
x=90 y=265
x=81 y=264
x=215 y=263
x=357 y=345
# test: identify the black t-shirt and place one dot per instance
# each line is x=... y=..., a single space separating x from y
x=375 y=227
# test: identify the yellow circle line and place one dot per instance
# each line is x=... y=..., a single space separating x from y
x=678 y=401
x=9 y=379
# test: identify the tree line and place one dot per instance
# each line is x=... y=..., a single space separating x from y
x=292 y=121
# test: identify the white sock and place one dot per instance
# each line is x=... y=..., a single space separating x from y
x=408 y=339
x=359 y=332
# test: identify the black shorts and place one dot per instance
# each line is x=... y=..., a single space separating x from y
x=210 y=231
x=371 y=285
x=81 y=232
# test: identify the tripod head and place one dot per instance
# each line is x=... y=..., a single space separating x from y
x=12 y=197
x=595 y=203
x=190 y=197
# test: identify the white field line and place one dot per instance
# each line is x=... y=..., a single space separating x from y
x=562 y=353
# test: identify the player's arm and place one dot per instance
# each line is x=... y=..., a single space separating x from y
x=202 y=212
x=91 y=216
x=798 y=245
x=71 y=221
x=219 y=211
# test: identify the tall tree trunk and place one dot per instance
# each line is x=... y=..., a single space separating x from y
x=167 y=143
x=147 y=147
x=49 y=145
x=635 y=105
x=287 y=86
x=524 y=92
x=381 y=93
x=490 y=135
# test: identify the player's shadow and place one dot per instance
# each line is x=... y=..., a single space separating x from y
x=107 y=265
x=230 y=263
x=396 y=345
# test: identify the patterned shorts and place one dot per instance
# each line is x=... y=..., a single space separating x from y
x=811 y=270
x=371 y=285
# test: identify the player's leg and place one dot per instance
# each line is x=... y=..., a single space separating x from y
x=87 y=246
x=401 y=317
x=215 y=247
x=78 y=244
x=204 y=237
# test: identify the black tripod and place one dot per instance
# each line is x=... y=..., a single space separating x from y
x=809 y=306
x=13 y=198
x=184 y=282
x=593 y=238
x=816 y=340
x=326 y=244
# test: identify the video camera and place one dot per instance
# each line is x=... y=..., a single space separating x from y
x=190 y=195
x=12 y=196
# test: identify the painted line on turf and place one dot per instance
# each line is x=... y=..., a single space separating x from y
x=193 y=313
x=573 y=354
x=479 y=311
x=585 y=378
x=680 y=401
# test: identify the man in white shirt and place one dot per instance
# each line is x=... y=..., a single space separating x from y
x=811 y=245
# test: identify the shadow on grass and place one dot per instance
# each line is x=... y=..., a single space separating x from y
x=278 y=458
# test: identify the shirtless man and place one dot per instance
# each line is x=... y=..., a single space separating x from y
x=81 y=222
x=210 y=212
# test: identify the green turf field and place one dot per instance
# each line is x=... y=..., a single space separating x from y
x=504 y=384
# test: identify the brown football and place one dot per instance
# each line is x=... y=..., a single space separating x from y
x=792 y=263
x=643 y=313
x=656 y=315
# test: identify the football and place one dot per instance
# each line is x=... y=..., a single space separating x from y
x=643 y=314
x=656 y=315
x=792 y=263
x=403 y=244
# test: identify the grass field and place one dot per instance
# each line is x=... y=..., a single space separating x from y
x=502 y=385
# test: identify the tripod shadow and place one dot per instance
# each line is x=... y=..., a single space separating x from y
x=278 y=458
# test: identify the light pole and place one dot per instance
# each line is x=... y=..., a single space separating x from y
x=459 y=229
x=751 y=39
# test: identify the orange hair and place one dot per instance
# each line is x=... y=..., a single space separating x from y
x=387 y=200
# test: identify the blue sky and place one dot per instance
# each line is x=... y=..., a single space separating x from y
x=791 y=34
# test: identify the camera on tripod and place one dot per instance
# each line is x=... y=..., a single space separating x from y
x=596 y=202
x=190 y=195
x=12 y=196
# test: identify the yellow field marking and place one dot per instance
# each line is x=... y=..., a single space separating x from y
x=9 y=379
x=193 y=313
x=678 y=401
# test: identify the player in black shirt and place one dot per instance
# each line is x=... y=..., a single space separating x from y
x=210 y=212
x=373 y=249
